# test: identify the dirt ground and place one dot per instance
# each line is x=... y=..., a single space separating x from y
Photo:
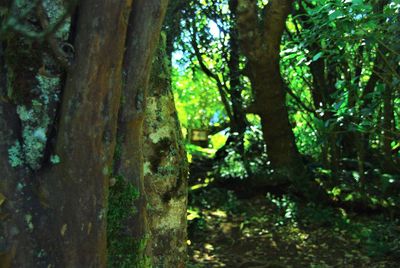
x=276 y=232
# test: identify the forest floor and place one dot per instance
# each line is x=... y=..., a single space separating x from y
x=271 y=231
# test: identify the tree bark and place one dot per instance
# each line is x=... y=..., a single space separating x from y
x=165 y=169
x=55 y=214
x=143 y=34
x=239 y=121
x=260 y=45
x=53 y=210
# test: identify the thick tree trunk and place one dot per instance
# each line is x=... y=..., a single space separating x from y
x=165 y=169
x=261 y=47
x=54 y=215
x=86 y=137
x=143 y=35
x=15 y=237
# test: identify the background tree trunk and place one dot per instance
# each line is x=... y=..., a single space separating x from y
x=261 y=47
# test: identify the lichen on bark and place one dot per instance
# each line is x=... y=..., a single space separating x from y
x=35 y=121
x=165 y=168
x=33 y=85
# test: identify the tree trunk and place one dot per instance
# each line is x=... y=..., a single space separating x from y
x=56 y=166
x=261 y=47
x=165 y=169
x=54 y=215
x=239 y=121
x=143 y=35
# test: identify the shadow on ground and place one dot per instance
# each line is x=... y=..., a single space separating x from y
x=271 y=231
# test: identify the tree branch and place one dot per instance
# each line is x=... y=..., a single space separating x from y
x=210 y=74
x=302 y=104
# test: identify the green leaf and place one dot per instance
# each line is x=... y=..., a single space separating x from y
x=335 y=14
x=317 y=56
x=357 y=2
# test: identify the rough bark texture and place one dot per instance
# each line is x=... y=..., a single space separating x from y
x=86 y=135
x=143 y=35
x=165 y=169
x=53 y=206
x=17 y=244
x=54 y=215
x=260 y=41
x=14 y=234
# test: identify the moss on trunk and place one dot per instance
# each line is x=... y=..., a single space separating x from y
x=165 y=169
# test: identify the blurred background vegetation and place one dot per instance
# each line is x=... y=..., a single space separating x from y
x=339 y=61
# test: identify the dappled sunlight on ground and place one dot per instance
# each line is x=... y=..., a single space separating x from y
x=259 y=233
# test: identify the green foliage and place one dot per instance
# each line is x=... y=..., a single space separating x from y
x=233 y=166
x=197 y=100
x=218 y=140
x=253 y=162
x=214 y=198
x=346 y=38
x=351 y=27
x=286 y=209
x=339 y=123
